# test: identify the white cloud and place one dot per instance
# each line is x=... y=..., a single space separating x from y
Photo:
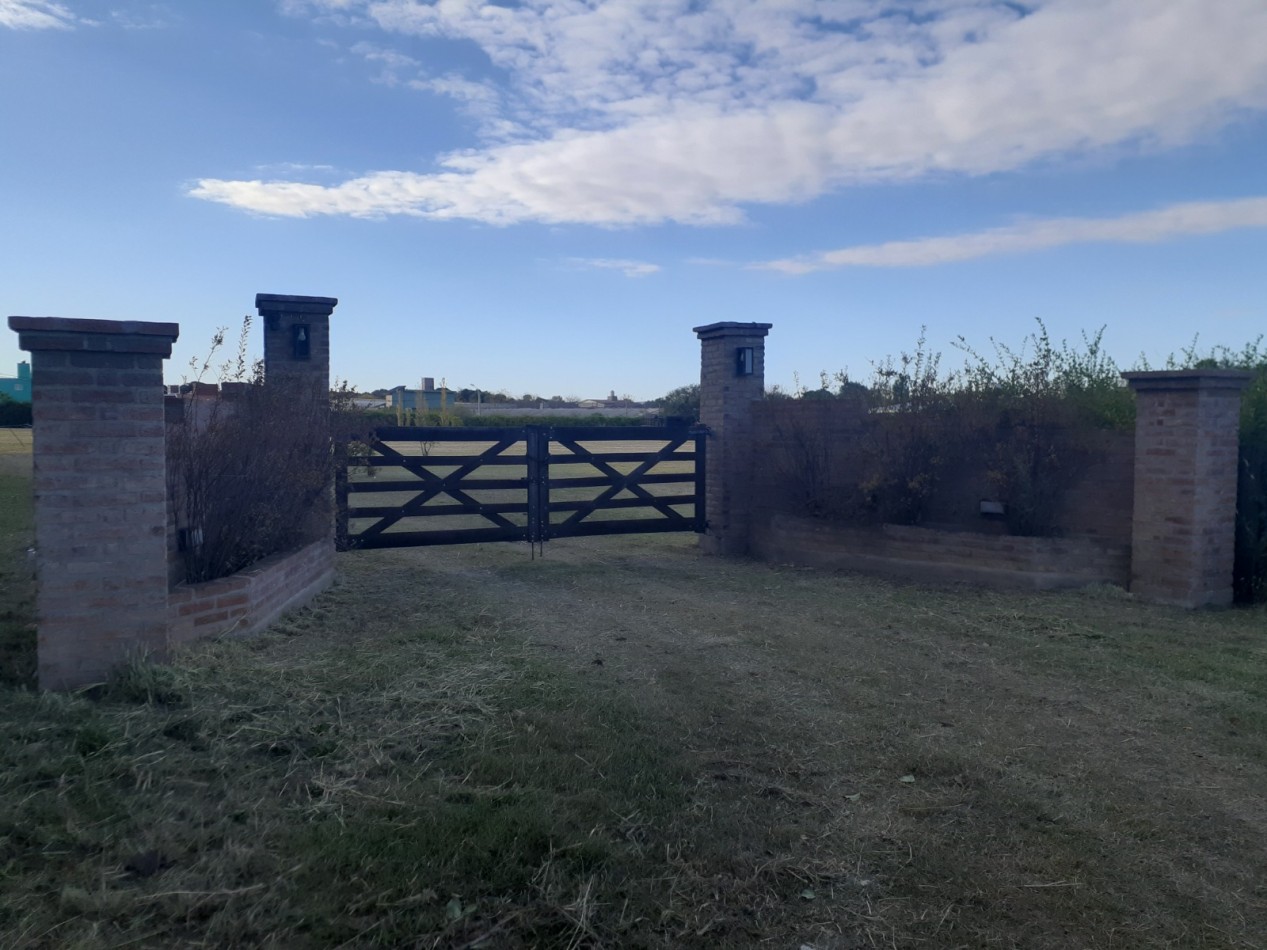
x=644 y=111
x=296 y=168
x=1181 y=220
x=35 y=15
x=626 y=267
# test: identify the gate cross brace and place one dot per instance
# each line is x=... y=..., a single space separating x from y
x=619 y=480
x=438 y=484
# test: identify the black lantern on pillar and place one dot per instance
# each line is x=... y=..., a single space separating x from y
x=300 y=341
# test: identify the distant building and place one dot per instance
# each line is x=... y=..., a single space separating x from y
x=18 y=387
x=427 y=398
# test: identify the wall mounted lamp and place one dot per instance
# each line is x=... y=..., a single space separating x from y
x=300 y=341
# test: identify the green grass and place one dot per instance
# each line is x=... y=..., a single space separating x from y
x=365 y=791
x=17 y=589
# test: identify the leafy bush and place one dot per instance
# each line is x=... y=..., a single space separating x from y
x=680 y=403
x=1042 y=403
x=14 y=413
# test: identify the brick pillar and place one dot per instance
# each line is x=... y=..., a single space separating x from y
x=297 y=358
x=296 y=338
x=100 y=492
x=1183 y=536
x=727 y=392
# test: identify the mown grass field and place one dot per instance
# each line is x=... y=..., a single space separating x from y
x=628 y=744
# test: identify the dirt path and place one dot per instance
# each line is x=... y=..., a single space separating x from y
x=880 y=764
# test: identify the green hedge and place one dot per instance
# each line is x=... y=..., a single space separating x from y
x=14 y=413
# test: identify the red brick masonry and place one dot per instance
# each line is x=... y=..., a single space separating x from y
x=249 y=601
x=926 y=554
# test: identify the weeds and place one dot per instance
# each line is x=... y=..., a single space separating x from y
x=250 y=466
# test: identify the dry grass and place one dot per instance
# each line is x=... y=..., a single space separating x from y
x=630 y=744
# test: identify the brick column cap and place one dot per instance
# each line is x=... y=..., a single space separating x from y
x=95 y=336
x=294 y=303
x=726 y=328
x=1188 y=379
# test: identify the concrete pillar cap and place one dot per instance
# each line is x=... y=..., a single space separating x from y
x=106 y=336
x=294 y=303
x=1176 y=379
x=730 y=328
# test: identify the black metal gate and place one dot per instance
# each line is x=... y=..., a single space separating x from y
x=410 y=486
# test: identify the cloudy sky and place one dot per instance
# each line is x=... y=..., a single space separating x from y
x=547 y=195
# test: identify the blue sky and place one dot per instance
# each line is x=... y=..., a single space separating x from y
x=547 y=195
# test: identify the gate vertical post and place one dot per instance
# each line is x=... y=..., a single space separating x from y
x=537 y=450
x=1186 y=448
x=732 y=378
x=100 y=479
x=341 y=491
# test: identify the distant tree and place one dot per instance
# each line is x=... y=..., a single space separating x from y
x=682 y=402
x=14 y=413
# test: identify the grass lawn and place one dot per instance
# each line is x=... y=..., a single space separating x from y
x=17 y=590
x=628 y=744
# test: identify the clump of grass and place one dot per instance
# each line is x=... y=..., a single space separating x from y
x=141 y=681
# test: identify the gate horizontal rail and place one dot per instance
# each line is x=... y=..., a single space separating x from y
x=571 y=481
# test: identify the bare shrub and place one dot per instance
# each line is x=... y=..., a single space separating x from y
x=804 y=461
x=911 y=436
x=1043 y=402
x=250 y=466
x=1025 y=418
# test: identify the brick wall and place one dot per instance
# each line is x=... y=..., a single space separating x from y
x=792 y=438
x=250 y=600
x=803 y=441
x=931 y=555
x=105 y=522
x=188 y=404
